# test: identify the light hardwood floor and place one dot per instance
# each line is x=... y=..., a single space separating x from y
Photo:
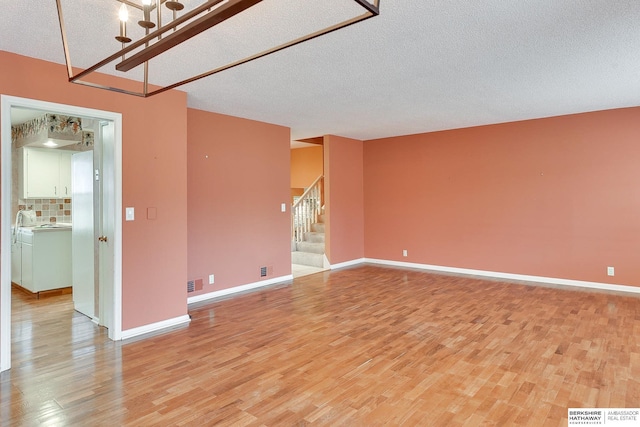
x=362 y=346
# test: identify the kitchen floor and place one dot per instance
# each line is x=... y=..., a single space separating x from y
x=42 y=294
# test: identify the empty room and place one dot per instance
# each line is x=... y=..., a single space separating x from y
x=348 y=212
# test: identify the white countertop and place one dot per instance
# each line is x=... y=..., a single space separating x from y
x=59 y=226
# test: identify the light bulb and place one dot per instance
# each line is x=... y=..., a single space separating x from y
x=146 y=12
x=123 y=14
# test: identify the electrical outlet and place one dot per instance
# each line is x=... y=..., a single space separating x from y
x=211 y=279
x=611 y=271
x=404 y=252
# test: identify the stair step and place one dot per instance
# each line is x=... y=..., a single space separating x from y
x=321 y=218
x=307 y=258
x=317 y=227
x=314 y=237
x=313 y=247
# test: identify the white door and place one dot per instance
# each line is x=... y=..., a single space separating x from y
x=82 y=234
x=107 y=229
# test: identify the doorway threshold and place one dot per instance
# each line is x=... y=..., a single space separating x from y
x=298 y=270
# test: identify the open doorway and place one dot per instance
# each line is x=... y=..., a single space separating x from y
x=307 y=208
x=103 y=304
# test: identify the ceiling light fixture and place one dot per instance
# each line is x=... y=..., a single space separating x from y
x=160 y=38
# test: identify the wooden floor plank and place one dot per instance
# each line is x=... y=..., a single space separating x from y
x=367 y=345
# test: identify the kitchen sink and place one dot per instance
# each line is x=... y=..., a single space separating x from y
x=52 y=226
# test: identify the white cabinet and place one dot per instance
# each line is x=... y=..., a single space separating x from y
x=64 y=174
x=44 y=173
x=26 y=281
x=16 y=258
x=46 y=259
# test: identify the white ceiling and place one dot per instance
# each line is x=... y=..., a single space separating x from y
x=422 y=65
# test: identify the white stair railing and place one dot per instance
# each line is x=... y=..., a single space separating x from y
x=305 y=210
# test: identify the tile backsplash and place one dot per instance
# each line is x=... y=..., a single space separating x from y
x=48 y=210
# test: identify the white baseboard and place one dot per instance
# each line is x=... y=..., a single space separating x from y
x=347 y=263
x=510 y=276
x=155 y=327
x=236 y=289
x=325 y=261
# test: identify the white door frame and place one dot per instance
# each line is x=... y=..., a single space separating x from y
x=115 y=288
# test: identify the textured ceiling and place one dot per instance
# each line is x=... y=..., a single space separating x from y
x=422 y=65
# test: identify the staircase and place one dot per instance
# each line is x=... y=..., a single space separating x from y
x=310 y=250
x=307 y=235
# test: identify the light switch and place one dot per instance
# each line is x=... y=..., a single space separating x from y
x=129 y=214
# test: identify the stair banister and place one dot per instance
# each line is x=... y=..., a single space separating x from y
x=305 y=210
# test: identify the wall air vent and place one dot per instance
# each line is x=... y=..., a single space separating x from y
x=263 y=271
x=194 y=285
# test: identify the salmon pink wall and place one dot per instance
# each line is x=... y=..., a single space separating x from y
x=238 y=176
x=556 y=197
x=344 y=205
x=306 y=166
x=153 y=175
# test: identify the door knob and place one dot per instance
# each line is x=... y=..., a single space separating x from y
x=102 y=238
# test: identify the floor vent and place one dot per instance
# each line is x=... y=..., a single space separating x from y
x=263 y=271
x=191 y=286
